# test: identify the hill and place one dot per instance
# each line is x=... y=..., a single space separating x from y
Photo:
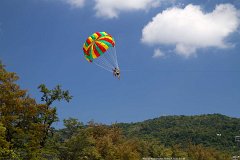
x=211 y=130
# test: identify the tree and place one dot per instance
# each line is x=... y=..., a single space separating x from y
x=198 y=152
x=50 y=116
x=72 y=125
x=25 y=125
x=97 y=142
x=5 y=151
x=18 y=115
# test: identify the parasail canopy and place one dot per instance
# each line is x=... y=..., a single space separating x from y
x=97 y=44
x=99 y=48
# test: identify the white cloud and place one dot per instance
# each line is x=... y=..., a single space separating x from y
x=112 y=8
x=190 y=28
x=75 y=3
x=158 y=53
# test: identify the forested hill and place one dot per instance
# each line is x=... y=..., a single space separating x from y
x=211 y=130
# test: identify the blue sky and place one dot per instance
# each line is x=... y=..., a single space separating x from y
x=178 y=57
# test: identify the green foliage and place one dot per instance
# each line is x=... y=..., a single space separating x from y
x=72 y=125
x=173 y=130
x=101 y=142
x=25 y=125
x=97 y=142
x=50 y=116
x=26 y=132
x=5 y=151
x=19 y=116
x=49 y=96
x=200 y=153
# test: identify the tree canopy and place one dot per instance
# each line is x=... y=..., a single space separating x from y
x=27 y=132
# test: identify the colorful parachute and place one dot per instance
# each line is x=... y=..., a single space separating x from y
x=99 y=48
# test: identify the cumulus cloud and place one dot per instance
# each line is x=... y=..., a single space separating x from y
x=158 y=53
x=75 y=3
x=190 y=28
x=112 y=8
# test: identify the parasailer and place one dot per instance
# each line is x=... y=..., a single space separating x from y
x=116 y=72
x=99 y=49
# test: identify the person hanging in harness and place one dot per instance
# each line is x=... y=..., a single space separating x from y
x=116 y=72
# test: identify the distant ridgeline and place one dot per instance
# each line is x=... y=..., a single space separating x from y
x=211 y=130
